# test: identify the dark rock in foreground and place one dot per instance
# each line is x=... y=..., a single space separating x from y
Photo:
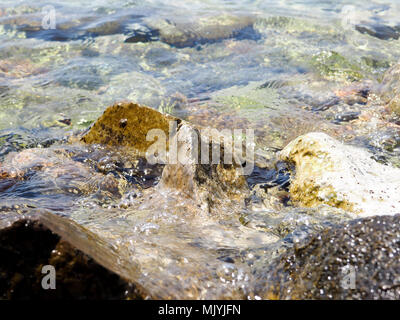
x=358 y=260
x=29 y=244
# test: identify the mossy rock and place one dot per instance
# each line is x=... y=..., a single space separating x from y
x=127 y=124
x=333 y=66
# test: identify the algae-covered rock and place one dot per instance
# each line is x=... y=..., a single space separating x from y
x=333 y=66
x=127 y=124
x=329 y=172
x=29 y=244
x=357 y=260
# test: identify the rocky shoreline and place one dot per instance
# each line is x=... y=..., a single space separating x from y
x=256 y=156
x=317 y=163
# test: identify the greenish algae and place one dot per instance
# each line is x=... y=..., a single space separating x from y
x=127 y=124
x=333 y=66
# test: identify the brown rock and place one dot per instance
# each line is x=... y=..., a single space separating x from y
x=127 y=124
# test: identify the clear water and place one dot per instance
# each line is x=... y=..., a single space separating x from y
x=271 y=77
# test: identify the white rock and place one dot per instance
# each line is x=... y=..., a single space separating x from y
x=330 y=172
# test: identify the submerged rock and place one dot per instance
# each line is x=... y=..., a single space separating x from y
x=140 y=33
x=204 y=30
x=329 y=172
x=357 y=260
x=77 y=29
x=379 y=31
x=333 y=66
x=32 y=176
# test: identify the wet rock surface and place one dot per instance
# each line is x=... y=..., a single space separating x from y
x=207 y=183
x=27 y=246
x=329 y=172
x=127 y=124
x=357 y=260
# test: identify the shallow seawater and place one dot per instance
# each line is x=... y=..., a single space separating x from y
x=277 y=67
